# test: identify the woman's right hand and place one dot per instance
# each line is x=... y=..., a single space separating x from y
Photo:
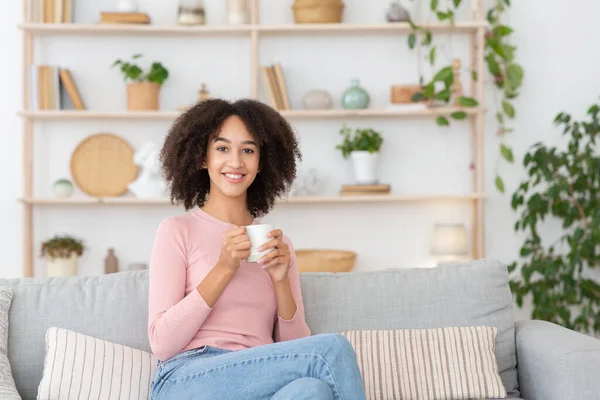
x=235 y=248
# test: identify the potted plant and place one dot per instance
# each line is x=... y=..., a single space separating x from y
x=362 y=146
x=561 y=188
x=62 y=254
x=143 y=88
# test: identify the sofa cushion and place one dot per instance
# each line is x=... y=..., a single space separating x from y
x=111 y=307
x=468 y=294
x=442 y=363
x=83 y=367
x=8 y=390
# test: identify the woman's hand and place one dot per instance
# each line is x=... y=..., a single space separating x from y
x=277 y=261
x=235 y=248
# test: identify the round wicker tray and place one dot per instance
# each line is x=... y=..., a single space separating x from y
x=102 y=165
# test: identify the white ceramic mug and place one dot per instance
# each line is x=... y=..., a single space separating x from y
x=258 y=237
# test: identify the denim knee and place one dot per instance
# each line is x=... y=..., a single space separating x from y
x=305 y=388
x=339 y=343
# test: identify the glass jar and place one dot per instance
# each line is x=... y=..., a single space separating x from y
x=191 y=12
x=237 y=11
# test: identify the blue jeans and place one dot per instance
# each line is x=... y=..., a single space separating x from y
x=316 y=367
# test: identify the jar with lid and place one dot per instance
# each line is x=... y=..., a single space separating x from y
x=191 y=12
x=237 y=11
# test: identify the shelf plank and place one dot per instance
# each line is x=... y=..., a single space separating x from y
x=242 y=30
x=353 y=29
x=397 y=198
x=135 y=29
x=296 y=114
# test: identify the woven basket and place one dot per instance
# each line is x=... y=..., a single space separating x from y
x=318 y=11
x=325 y=260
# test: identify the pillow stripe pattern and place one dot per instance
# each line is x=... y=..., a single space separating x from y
x=8 y=390
x=442 y=363
x=80 y=366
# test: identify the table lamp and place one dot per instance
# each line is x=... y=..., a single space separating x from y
x=449 y=243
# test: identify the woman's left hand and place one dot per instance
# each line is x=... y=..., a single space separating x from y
x=277 y=261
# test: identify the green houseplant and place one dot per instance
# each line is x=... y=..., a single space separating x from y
x=362 y=146
x=143 y=88
x=62 y=253
x=563 y=186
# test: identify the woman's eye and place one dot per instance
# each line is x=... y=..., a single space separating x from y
x=249 y=151
x=221 y=148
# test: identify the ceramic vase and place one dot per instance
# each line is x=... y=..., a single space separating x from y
x=365 y=165
x=62 y=188
x=355 y=97
x=63 y=266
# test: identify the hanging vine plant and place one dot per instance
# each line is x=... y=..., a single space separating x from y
x=499 y=56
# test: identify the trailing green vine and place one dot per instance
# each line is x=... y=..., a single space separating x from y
x=500 y=59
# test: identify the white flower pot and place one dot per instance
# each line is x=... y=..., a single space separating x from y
x=63 y=266
x=365 y=166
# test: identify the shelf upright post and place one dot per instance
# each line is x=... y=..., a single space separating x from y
x=254 y=49
x=27 y=148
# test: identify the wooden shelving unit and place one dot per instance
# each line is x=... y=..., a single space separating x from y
x=474 y=29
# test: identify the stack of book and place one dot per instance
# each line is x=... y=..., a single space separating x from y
x=46 y=84
x=275 y=87
x=51 y=11
x=107 y=17
x=353 y=190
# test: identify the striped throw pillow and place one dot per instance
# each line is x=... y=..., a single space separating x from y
x=443 y=363
x=78 y=366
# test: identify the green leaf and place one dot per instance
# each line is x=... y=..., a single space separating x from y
x=444 y=15
x=500 y=118
x=417 y=97
x=508 y=108
x=514 y=75
x=506 y=153
x=434 y=4
x=502 y=31
x=457 y=3
x=430 y=90
x=412 y=24
x=427 y=39
x=467 y=101
x=493 y=65
x=474 y=75
x=460 y=115
x=507 y=2
x=444 y=95
x=490 y=16
x=444 y=75
x=499 y=184
x=412 y=40
x=442 y=121
x=432 y=56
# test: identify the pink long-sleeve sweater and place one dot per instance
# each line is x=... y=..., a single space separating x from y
x=186 y=247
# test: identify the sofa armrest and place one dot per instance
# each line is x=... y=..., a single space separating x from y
x=556 y=363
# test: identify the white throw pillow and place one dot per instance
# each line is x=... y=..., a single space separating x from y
x=8 y=390
x=453 y=363
x=78 y=366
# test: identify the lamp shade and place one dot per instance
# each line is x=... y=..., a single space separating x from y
x=449 y=240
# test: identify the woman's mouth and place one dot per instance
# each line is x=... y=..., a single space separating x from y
x=234 y=178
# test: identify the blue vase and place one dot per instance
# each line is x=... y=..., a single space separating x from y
x=355 y=97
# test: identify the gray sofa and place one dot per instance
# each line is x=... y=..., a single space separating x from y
x=537 y=360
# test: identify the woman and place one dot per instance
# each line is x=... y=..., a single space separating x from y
x=221 y=327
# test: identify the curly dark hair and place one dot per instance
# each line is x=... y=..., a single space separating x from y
x=185 y=147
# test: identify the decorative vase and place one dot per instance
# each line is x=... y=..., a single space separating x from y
x=355 y=97
x=317 y=100
x=191 y=12
x=365 y=165
x=127 y=6
x=143 y=96
x=397 y=13
x=111 y=263
x=62 y=188
x=63 y=266
x=237 y=12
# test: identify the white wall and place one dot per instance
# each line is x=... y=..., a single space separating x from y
x=418 y=157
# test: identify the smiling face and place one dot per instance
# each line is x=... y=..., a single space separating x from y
x=232 y=159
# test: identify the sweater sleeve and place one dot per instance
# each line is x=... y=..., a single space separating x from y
x=296 y=327
x=174 y=318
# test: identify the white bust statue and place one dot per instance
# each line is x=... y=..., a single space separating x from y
x=149 y=182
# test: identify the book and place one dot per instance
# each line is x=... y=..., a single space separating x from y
x=107 y=17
